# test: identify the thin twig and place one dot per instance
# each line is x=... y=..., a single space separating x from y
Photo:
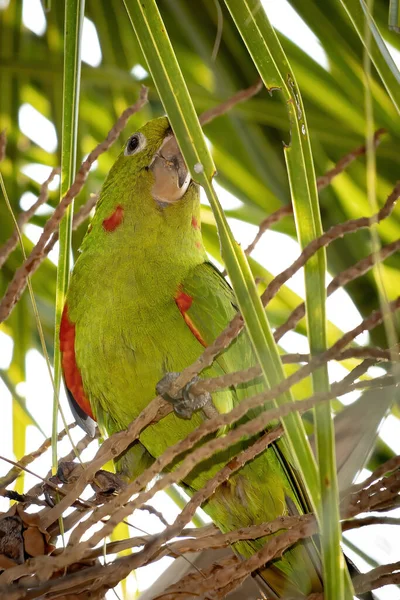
x=25 y=216
x=18 y=283
x=322 y=182
x=120 y=566
x=214 y=384
x=382 y=575
x=241 y=96
x=367 y=521
x=345 y=277
x=335 y=232
x=29 y=458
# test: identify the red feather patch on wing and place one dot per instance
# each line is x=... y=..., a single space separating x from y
x=72 y=376
x=184 y=302
x=114 y=220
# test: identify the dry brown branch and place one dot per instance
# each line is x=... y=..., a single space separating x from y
x=380 y=496
x=371 y=496
x=216 y=540
x=76 y=551
x=367 y=521
x=204 y=584
x=121 y=566
x=29 y=458
x=111 y=448
x=25 y=216
x=224 y=107
x=82 y=214
x=202 y=495
x=390 y=465
x=207 y=357
x=118 y=514
x=335 y=232
x=22 y=498
x=353 y=272
x=364 y=352
x=377 y=577
x=275 y=217
x=374 y=355
x=322 y=182
x=186 y=587
x=249 y=429
x=334 y=391
x=24 y=468
x=114 y=547
x=153 y=511
x=79 y=448
x=374 y=319
x=189 y=581
x=272 y=549
x=19 y=280
x=224 y=540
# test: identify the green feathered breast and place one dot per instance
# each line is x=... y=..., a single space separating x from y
x=144 y=301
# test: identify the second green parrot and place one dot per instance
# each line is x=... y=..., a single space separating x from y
x=145 y=301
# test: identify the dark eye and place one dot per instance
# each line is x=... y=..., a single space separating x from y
x=136 y=142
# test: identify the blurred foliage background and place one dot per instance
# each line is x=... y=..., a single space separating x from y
x=246 y=143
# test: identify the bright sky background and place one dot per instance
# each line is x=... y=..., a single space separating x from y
x=275 y=251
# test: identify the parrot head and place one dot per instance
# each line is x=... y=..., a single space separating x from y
x=152 y=154
x=148 y=199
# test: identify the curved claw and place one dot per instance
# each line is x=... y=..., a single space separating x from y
x=164 y=385
x=194 y=402
x=185 y=403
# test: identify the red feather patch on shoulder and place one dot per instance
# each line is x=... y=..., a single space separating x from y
x=72 y=376
x=184 y=302
x=114 y=220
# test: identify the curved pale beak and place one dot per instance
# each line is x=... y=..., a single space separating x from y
x=171 y=177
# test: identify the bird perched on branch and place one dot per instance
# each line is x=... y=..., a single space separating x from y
x=144 y=301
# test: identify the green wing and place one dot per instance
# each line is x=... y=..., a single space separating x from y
x=213 y=307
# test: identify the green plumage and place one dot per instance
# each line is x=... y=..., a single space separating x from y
x=129 y=332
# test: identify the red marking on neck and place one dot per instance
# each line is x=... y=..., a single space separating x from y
x=195 y=223
x=72 y=375
x=114 y=220
x=184 y=302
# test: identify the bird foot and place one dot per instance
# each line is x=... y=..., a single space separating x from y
x=185 y=403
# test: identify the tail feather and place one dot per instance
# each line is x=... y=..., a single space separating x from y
x=295 y=576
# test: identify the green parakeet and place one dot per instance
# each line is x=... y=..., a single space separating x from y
x=144 y=301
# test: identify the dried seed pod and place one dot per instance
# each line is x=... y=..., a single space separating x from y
x=21 y=537
x=106 y=483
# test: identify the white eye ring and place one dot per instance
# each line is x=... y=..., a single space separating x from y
x=135 y=143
